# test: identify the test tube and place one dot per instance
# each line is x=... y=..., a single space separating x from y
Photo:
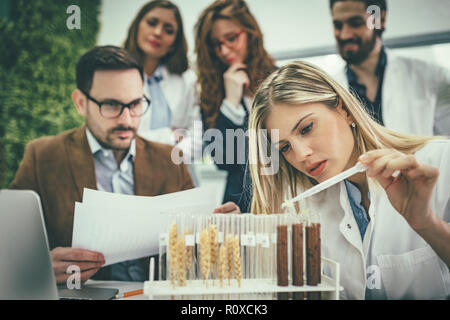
x=172 y=249
x=282 y=255
x=282 y=251
x=222 y=258
x=273 y=245
x=229 y=245
x=297 y=256
x=181 y=250
x=251 y=238
x=189 y=236
x=244 y=222
x=297 y=253
x=259 y=235
x=214 y=238
x=313 y=259
x=163 y=241
x=198 y=228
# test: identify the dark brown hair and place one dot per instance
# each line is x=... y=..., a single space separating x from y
x=210 y=69
x=380 y=3
x=104 y=58
x=176 y=59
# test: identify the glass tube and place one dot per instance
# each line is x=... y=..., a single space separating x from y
x=282 y=251
x=189 y=238
x=313 y=259
x=163 y=240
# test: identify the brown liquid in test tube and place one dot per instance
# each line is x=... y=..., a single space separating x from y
x=297 y=254
x=282 y=256
x=313 y=259
x=297 y=259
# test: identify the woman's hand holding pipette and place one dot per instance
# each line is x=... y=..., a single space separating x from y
x=410 y=194
x=410 y=191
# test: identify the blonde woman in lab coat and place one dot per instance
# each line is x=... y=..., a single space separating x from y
x=389 y=232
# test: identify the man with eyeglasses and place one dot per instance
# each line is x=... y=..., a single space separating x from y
x=401 y=93
x=104 y=154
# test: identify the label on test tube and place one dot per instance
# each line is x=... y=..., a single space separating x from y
x=221 y=238
x=163 y=239
x=265 y=243
x=244 y=240
x=251 y=239
x=274 y=238
x=259 y=238
x=189 y=240
x=197 y=238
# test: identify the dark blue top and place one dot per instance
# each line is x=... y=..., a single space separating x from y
x=374 y=108
x=238 y=186
x=355 y=199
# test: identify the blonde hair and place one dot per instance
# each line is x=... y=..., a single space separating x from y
x=303 y=83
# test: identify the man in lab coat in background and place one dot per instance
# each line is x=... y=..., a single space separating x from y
x=403 y=94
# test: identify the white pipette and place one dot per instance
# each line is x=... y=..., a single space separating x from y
x=359 y=167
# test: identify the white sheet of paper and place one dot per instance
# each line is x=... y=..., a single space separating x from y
x=125 y=227
x=201 y=195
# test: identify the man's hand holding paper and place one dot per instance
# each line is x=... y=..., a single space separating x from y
x=89 y=262
x=125 y=227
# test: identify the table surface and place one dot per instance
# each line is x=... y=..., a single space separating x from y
x=122 y=286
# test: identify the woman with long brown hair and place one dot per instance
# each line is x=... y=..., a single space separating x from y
x=231 y=62
x=156 y=37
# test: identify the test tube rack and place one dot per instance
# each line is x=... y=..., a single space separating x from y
x=253 y=289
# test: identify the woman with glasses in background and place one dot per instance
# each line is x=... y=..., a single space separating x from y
x=231 y=62
x=157 y=39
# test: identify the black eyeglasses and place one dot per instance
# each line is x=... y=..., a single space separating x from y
x=111 y=109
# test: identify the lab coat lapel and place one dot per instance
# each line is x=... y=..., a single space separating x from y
x=374 y=192
x=81 y=161
x=348 y=226
x=170 y=86
x=146 y=119
x=341 y=77
x=391 y=82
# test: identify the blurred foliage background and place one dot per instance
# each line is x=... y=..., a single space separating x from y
x=37 y=72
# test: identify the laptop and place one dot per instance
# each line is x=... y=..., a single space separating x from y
x=26 y=271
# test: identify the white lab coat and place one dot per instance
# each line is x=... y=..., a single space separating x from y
x=393 y=256
x=415 y=96
x=180 y=93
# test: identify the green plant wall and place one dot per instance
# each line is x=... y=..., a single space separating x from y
x=37 y=72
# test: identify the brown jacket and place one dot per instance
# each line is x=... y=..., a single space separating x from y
x=59 y=167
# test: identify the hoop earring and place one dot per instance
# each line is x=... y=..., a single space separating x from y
x=353 y=125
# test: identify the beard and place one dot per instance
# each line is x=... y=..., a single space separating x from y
x=357 y=57
x=109 y=140
x=120 y=145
